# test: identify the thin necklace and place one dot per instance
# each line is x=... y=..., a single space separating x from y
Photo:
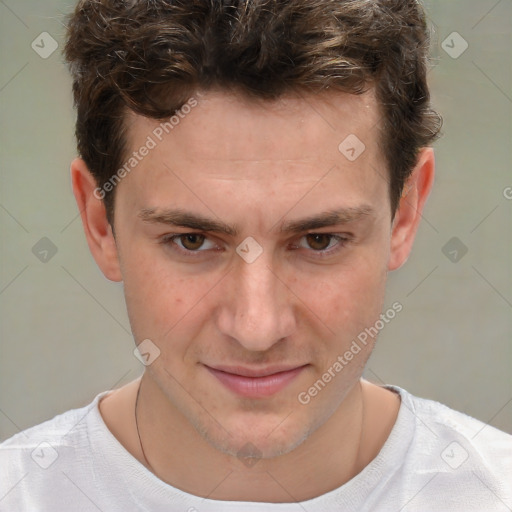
x=354 y=469
x=138 y=432
x=358 y=445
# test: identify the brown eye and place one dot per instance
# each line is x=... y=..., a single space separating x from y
x=189 y=244
x=192 y=241
x=319 y=241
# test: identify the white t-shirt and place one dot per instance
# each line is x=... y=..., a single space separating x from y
x=435 y=459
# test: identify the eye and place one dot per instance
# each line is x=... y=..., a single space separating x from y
x=194 y=244
x=188 y=242
x=323 y=243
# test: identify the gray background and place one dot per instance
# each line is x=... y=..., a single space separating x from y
x=64 y=330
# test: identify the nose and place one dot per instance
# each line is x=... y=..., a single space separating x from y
x=257 y=311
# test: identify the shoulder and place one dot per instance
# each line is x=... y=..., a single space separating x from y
x=447 y=422
x=461 y=454
x=62 y=430
x=36 y=457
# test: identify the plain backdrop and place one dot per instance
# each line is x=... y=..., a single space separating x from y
x=65 y=334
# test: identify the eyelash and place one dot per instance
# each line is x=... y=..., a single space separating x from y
x=168 y=240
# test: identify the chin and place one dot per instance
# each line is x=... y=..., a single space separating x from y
x=246 y=446
x=256 y=438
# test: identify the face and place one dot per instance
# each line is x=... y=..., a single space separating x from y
x=253 y=252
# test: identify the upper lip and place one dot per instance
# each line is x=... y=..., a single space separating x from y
x=245 y=371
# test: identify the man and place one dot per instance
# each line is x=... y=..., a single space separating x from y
x=251 y=171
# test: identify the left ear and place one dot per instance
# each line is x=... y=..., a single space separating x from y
x=405 y=224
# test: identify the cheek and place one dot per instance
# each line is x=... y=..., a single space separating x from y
x=160 y=300
x=345 y=298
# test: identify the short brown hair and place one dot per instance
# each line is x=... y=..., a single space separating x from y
x=150 y=55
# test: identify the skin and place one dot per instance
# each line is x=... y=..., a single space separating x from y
x=256 y=166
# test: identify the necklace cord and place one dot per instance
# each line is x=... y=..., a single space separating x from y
x=356 y=460
x=138 y=431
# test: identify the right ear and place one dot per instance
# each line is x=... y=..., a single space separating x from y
x=98 y=230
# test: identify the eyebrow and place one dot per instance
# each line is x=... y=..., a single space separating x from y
x=186 y=219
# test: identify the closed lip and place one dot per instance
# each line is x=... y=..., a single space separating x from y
x=255 y=382
x=244 y=371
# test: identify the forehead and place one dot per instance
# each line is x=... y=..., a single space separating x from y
x=232 y=156
x=222 y=126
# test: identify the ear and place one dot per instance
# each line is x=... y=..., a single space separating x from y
x=407 y=218
x=98 y=230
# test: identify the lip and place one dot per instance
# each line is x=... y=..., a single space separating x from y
x=254 y=382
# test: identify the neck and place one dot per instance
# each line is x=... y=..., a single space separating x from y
x=176 y=453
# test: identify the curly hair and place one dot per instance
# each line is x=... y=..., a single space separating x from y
x=149 y=56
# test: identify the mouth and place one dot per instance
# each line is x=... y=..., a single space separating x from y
x=254 y=382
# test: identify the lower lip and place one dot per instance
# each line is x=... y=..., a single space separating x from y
x=256 y=387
